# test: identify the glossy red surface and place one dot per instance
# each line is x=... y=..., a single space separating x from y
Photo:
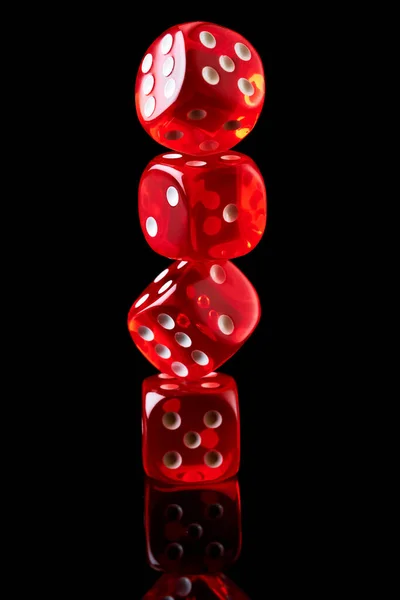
x=193 y=317
x=195 y=587
x=214 y=208
x=190 y=429
x=192 y=529
x=200 y=88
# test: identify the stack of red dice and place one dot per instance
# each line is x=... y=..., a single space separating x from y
x=199 y=91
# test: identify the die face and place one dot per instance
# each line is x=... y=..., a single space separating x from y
x=192 y=529
x=214 y=208
x=191 y=430
x=194 y=317
x=164 y=208
x=200 y=88
x=195 y=587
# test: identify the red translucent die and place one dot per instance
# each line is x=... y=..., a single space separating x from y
x=190 y=429
x=192 y=529
x=193 y=317
x=200 y=88
x=214 y=208
x=195 y=587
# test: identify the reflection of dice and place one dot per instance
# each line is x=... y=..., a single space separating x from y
x=193 y=317
x=192 y=529
x=202 y=209
x=200 y=88
x=190 y=430
x=195 y=587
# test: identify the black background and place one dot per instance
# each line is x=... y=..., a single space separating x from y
x=99 y=263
